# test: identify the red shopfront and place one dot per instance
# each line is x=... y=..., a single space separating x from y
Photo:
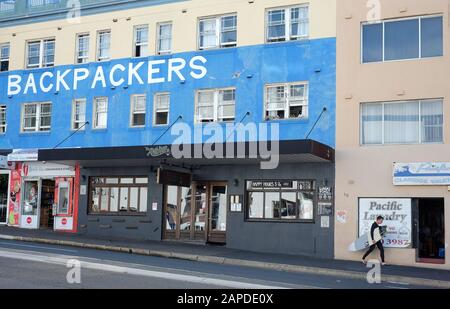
x=44 y=196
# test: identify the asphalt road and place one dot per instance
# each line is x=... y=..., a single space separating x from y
x=35 y=266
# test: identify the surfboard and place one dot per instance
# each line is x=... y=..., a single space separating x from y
x=363 y=241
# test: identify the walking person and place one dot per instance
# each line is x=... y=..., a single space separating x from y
x=375 y=233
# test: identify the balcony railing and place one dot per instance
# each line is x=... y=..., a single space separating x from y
x=14 y=9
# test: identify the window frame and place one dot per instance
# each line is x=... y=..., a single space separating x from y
x=297 y=191
x=98 y=58
x=158 y=38
x=3 y=114
x=120 y=186
x=136 y=44
x=156 y=95
x=383 y=22
x=287 y=23
x=85 y=59
x=287 y=88
x=95 y=125
x=219 y=31
x=133 y=111
x=216 y=105
x=41 y=63
x=38 y=116
x=74 y=121
x=383 y=103
x=2 y=59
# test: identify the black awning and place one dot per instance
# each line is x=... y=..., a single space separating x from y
x=292 y=150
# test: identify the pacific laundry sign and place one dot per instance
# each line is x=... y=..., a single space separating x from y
x=103 y=76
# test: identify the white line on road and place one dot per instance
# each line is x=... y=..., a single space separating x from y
x=400 y=283
x=37 y=247
x=136 y=271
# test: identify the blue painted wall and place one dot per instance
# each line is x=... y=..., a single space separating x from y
x=313 y=61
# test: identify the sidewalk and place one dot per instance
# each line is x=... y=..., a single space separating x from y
x=222 y=255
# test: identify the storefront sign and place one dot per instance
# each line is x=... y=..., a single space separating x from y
x=29 y=222
x=158 y=151
x=173 y=178
x=397 y=217
x=41 y=169
x=63 y=223
x=325 y=222
x=413 y=174
x=23 y=155
x=272 y=184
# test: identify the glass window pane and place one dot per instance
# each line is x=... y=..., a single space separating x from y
x=142 y=180
x=288 y=205
x=126 y=180
x=272 y=205
x=255 y=205
x=401 y=121
x=402 y=39
x=143 y=200
x=134 y=194
x=432 y=37
x=95 y=204
x=123 y=199
x=162 y=118
x=104 y=199
x=114 y=200
x=171 y=208
x=30 y=205
x=306 y=205
x=185 y=223
x=208 y=33
x=200 y=208
x=112 y=180
x=432 y=121
x=372 y=43
x=371 y=124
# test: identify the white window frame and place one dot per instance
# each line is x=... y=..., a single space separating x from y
x=38 y=128
x=99 y=35
x=218 y=34
x=134 y=112
x=84 y=59
x=41 y=63
x=383 y=104
x=159 y=51
x=156 y=111
x=95 y=125
x=383 y=22
x=3 y=126
x=216 y=105
x=135 y=43
x=74 y=114
x=287 y=100
x=287 y=24
x=5 y=59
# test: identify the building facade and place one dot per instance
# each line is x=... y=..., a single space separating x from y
x=93 y=102
x=392 y=146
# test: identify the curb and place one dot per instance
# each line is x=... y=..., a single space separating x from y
x=234 y=262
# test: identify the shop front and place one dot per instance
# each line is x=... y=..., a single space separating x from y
x=43 y=195
x=5 y=175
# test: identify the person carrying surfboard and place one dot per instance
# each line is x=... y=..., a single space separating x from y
x=375 y=240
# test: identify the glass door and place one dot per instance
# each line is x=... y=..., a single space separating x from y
x=4 y=186
x=30 y=204
x=217 y=226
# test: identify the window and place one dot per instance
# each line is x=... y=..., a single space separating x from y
x=138 y=109
x=41 y=53
x=141 y=41
x=286 y=101
x=411 y=122
x=79 y=114
x=215 y=105
x=36 y=117
x=218 y=31
x=162 y=107
x=287 y=24
x=103 y=45
x=4 y=57
x=399 y=39
x=164 y=38
x=118 y=195
x=82 y=48
x=2 y=119
x=281 y=200
x=100 y=113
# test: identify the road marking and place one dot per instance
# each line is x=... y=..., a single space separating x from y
x=400 y=283
x=38 y=247
x=136 y=271
x=396 y=287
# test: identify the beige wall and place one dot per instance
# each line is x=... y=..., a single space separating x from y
x=251 y=29
x=366 y=171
